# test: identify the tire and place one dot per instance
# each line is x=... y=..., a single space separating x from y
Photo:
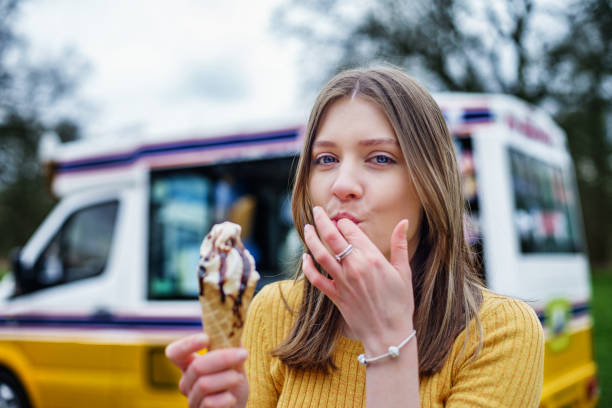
x=12 y=394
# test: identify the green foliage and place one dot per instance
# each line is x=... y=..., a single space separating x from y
x=24 y=195
x=602 y=315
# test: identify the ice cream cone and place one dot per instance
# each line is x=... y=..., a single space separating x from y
x=222 y=319
x=227 y=279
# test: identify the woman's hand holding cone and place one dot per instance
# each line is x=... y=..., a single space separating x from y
x=214 y=379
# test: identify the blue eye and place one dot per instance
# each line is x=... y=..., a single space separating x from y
x=325 y=159
x=383 y=159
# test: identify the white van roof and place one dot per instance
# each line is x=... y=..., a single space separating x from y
x=115 y=161
x=465 y=111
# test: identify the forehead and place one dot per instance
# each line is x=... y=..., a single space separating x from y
x=358 y=117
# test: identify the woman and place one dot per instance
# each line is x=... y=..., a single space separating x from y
x=386 y=309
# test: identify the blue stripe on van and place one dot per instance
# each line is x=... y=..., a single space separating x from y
x=578 y=310
x=100 y=322
x=176 y=147
x=111 y=321
x=477 y=115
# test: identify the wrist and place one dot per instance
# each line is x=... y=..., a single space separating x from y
x=392 y=352
x=376 y=343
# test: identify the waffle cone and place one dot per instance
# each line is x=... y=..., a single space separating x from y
x=222 y=321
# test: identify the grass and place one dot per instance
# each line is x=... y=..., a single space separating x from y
x=3 y=272
x=602 y=315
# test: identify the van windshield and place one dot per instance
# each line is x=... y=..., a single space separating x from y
x=184 y=204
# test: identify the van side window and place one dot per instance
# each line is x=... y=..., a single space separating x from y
x=79 y=250
x=545 y=206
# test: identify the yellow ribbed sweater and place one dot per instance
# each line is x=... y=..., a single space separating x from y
x=507 y=372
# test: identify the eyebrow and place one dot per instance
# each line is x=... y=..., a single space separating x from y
x=366 y=142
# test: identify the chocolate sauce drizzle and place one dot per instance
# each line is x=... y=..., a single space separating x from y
x=201 y=274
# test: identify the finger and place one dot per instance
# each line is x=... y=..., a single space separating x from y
x=355 y=235
x=320 y=253
x=212 y=384
x=210 y=363
x=221 y=400
x=399 y=247
x=182 y=352
x=327 y=286
x=328 y=231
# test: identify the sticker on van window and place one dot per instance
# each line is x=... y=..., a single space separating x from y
x=558 y=315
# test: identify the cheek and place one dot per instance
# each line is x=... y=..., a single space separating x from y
x=314 y=192
x=402 y=198
x=404 y=204
x=318 y=189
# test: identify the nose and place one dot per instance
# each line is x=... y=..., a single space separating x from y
x=347 y=185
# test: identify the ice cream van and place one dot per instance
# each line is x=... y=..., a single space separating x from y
x=109 y=278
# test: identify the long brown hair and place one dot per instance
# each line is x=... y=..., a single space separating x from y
x=447 y=291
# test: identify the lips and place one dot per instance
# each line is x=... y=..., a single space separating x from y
x=338 y=216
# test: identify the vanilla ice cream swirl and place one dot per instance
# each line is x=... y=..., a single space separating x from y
x=225 y=261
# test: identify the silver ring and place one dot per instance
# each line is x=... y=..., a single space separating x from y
x=345 y=252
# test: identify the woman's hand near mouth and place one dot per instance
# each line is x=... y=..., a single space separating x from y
x=376 y=300
x=369 y=290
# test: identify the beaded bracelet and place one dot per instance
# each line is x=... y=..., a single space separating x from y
x=393 y=351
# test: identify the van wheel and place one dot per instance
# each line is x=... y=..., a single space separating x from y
x=12 y=394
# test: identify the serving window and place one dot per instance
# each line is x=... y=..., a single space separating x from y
x=186 y=203
x=464 y=149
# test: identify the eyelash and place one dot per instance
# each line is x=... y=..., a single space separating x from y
x=388 y=159
x=318 y=160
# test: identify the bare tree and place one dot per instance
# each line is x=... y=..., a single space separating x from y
x=27 y=92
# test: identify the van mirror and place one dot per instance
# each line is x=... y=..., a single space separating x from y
x=16 y=265
x=20 y=272
x=17 y=269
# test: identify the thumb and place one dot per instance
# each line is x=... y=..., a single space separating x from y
x=399 y=246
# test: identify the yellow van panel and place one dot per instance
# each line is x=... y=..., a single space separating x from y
x=568 y=372
x=104 y=374
x=95 y=375
x=11 y=357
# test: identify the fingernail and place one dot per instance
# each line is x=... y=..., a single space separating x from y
x=201 y=338
x=242 y=354
x=316 y=209
x=306 y=228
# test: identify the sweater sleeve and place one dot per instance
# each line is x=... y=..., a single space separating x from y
x=508 y=370
x=256 y=338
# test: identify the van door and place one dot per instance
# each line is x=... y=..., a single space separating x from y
x=63 y=295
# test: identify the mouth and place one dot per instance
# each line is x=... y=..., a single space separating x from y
x=347 y=215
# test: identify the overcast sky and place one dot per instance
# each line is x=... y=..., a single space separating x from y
x=168 y=66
